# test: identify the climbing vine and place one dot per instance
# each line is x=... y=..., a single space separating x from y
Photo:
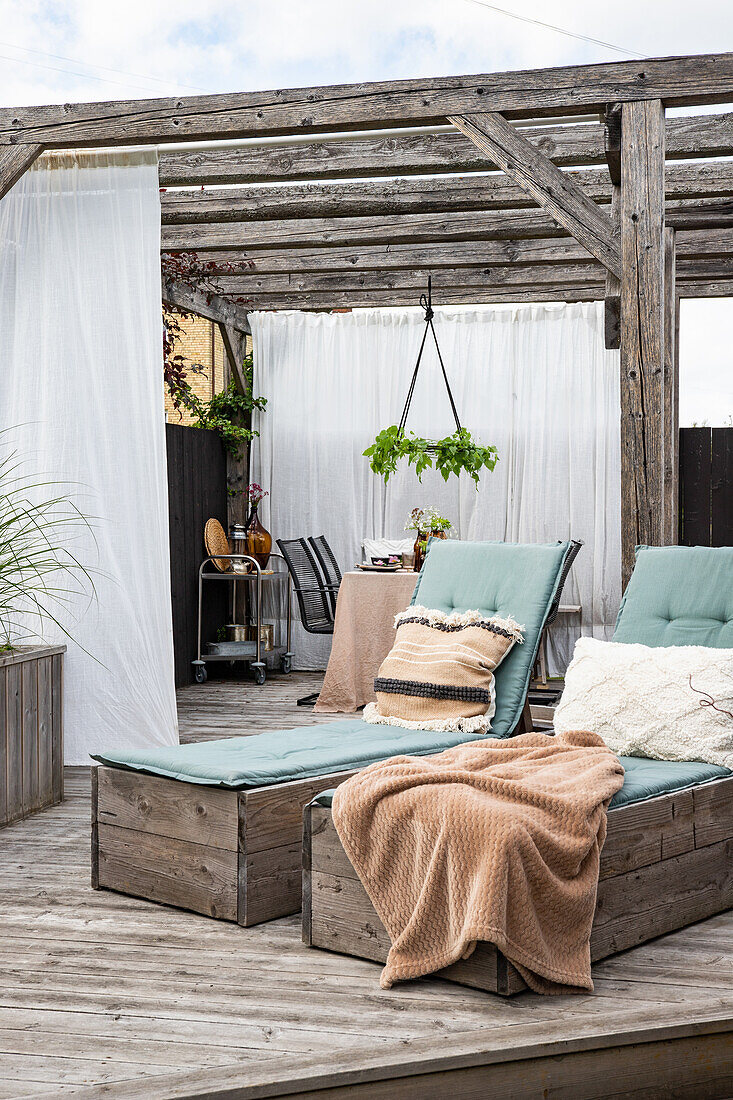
x=229 y=413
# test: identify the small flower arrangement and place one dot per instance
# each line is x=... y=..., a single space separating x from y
x=255 y=494
x=414 y=521
x=435 y=523
x=428 y=521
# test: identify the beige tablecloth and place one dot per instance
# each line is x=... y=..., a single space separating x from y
x=362 y=637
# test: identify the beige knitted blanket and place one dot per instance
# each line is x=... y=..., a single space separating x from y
x=495 y=840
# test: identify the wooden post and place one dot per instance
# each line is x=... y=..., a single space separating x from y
x=671 y=392
x=612 y=147
x=642 y=329
x=235 y=345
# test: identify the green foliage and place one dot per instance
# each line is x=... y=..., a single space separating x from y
x=455 y=454
x=228 y=413
x=41 y=575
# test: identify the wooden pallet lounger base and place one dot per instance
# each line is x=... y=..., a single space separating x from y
x=234 y=855
x=667 y=863
x=230 y=854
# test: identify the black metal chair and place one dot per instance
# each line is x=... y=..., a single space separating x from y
x=329 y=567
x=312 y=593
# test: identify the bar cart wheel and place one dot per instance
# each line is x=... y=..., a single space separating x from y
x=199 y=672
x=260 y=673
x=286 y=663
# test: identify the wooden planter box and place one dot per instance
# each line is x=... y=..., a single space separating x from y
x=235 y=855
x=666 y=863
x=31 y=731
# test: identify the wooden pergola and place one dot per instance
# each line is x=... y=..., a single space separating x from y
x=565 y=184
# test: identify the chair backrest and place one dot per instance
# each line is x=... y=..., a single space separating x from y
x=310 y=590
x=516 y=580
x=679 y=595
x=329 y=567
x=575 y=547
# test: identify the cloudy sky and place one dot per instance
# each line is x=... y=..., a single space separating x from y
x=69 y=50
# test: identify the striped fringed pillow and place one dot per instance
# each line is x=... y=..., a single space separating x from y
x=439 y=674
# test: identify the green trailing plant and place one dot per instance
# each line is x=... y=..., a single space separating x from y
x=40 y=573
x=229 y=413
x=457 y=453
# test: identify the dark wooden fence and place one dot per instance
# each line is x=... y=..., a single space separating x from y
x=197 y=489
x=706 y=486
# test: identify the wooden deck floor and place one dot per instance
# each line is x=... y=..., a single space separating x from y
x=103 y=995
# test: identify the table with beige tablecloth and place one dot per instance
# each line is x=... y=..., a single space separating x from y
x=363 y=635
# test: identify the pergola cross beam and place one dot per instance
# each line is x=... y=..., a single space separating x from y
x=15 y=160
x=554 y=191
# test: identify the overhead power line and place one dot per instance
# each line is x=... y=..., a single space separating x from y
x=90 y=76
x=552 y=27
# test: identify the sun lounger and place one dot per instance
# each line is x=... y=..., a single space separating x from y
x=668 y=856
x=216 y=827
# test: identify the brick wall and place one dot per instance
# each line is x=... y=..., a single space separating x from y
x=203 y=346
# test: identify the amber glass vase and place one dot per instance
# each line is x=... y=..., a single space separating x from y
x=418 y=551
x=257 y=540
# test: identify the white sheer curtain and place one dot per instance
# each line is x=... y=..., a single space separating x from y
x=536 y=381
x=81 y=387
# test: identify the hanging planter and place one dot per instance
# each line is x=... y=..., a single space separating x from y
x=457 y=453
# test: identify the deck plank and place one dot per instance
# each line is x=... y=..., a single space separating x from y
x=103 y=992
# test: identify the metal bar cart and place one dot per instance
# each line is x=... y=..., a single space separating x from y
x=249 y=651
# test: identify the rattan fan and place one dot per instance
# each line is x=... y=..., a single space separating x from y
x=216 y=542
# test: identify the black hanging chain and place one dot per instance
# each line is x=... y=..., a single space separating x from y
x=426 y=301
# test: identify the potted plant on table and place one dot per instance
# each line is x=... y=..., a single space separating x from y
x=426 y=522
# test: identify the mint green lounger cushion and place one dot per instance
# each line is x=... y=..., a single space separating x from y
x=497 y=578
x=282 y=755
x=679 y=595
x=493 y=577
x=644 y=779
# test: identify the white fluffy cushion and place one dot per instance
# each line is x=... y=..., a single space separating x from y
x=639 y=700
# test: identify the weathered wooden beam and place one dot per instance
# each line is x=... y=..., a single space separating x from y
x=612 y=146
x=612 y=301
x=722 y=288
x=580 y=89
x=311 y=232
x=14 y=162
x=469 y=295
x=612 y=141
x=362 y=157
x=642 y=329
x=514 y=224
x=203 y=304
x=461 y=295
x=576 y=270
x=449 y=295
x=235 y=346
x=671 y=391
x=554 y=191
x=470 y=278
x=577 y=144
x=696 y=247
x=713 y=179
